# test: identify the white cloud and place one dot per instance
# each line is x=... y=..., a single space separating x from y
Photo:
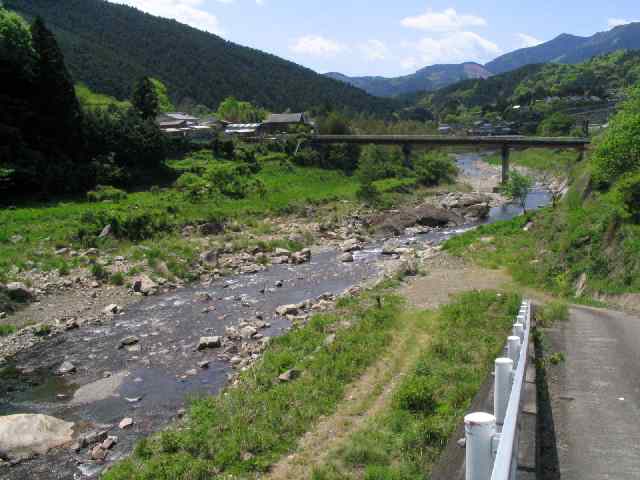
x=616 y=22
x=452 y=48
x=374 y=50
x=528 y=40
x=446 y=21
x=189 y=12
x=317 y=45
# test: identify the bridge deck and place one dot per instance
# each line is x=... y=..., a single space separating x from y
x=441 y=140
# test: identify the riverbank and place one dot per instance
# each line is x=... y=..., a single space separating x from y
x=148 y=351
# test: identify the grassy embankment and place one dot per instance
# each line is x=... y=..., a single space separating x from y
x=592 y=238
x=554 y=162
x=151 y=220
x=247 y=428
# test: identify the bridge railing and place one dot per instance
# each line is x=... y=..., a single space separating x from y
x=492 y=440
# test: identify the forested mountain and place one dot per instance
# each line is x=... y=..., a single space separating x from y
x=570 y=49
x=602 y=76
x=109 y=46
x=427 y=79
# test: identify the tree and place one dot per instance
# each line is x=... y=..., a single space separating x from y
x=556 y=124
x=518 y=187
x=236 y=111
x=435 y=168
x=164 y=102
x=60 y=116
x=145 y=99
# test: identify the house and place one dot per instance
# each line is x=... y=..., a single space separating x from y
x=284 y=122
x=241 y=129
x=171 y=119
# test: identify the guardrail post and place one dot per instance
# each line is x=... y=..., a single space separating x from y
x=518 y=331
x=503 y=382
x=480 y=432
x=513 y=349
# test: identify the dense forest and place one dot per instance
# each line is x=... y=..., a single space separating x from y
x=601 y=77
x=108 y=47
x=49 y=143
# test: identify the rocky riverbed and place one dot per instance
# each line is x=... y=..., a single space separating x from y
x=119 y=363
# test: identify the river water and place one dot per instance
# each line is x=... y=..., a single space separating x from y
x=160 y=375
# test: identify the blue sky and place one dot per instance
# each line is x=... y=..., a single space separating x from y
x=367 y=37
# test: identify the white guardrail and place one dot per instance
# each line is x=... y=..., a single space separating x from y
x=492 y=440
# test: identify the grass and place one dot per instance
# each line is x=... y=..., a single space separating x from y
x=246 y=428
x=7 y=330
x=556 y=162
x=404 y=441
x=155 y=214
x=552 y=312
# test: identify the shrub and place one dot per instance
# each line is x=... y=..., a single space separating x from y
x=379 y=163
x=416 y=395
x=247 y=155
x=117 y=278
x=518 y=187
x=556 y=124
x=192 y=185
x=7 y=330
x=618 y=152
x=369 y=194
x=99 y=272
x=104 y=193
x=434 y=168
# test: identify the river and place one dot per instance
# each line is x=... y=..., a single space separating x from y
x=152 y=381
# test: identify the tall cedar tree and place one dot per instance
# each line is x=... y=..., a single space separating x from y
x=60 y=116
x=145 y=99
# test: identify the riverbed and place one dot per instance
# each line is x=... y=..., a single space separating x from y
x=152 y=380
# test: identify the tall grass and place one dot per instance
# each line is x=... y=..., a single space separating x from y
x=406 y=440
x=245 y=429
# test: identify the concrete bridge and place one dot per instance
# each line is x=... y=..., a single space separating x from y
x=504 y=143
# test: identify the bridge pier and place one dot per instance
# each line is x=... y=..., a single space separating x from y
x=407 y=150
x=505 y=163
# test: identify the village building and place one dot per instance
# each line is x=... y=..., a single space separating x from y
x=284 y=123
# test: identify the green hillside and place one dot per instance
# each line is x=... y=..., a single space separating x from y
x=108 y=47
x=601 y=77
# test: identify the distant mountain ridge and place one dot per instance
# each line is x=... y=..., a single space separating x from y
x=570 y=49
x=426 y=79
x=565 y=48
x=109 y=46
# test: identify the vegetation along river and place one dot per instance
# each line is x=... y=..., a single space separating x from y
x=150 y=380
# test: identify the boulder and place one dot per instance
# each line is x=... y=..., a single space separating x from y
x=128 y=341
x=248 y=332
x=24 y=436
x=289 y=375
x=350 y=245
x=209 y=342
x=125 y=423
x=281 y=252
x=111 y=309
x=106 y=232
x=143 y=284
x=209 y=258
x=19 y=292
x=390 y=247
x=98 y=453
x=347 y=257
x=301 y=257
x=581 y=285
x=65 y=368
x=284 y=310
x=211 y=228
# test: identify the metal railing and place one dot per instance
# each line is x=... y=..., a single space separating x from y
x=492 y=440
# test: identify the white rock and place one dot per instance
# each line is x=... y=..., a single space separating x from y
x=209 y=342
x=125 y=423
x=23 y=436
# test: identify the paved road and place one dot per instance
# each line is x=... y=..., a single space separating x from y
x=595 y=395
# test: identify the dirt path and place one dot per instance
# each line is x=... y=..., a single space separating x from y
x=372 y=393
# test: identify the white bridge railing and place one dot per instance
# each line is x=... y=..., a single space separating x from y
x=492 y=440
